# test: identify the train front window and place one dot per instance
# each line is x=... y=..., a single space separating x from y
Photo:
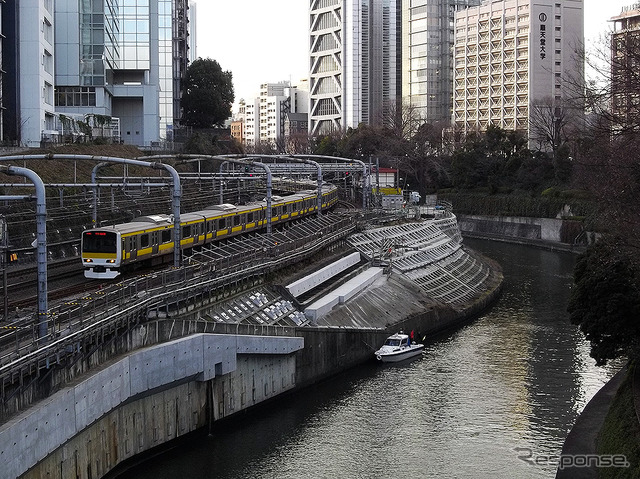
x=99 y=242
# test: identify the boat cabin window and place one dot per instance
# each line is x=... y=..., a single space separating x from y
x=392 y=342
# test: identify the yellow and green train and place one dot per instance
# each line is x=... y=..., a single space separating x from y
x=149 y=240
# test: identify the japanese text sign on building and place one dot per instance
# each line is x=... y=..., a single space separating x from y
x=543 y=35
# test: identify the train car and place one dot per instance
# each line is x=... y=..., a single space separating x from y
x=148 y=240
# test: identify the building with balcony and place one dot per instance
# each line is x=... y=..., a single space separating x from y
x=427 y=57
x=625 y=62
x=354 y=63
x=265 y=117
x=511 y=56
x=27 y=70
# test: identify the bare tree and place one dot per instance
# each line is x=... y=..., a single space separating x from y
x=610 y=90
x=298 y=143
x=547 y=124
x=403 y=118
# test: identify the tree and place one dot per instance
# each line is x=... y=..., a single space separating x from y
x=606 y=301
x=490 y=159
x=207 y=94
x=367 y=141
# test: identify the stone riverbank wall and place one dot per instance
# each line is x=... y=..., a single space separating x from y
x=552 y=233
x=185 y=371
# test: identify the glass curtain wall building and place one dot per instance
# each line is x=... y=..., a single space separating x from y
x=126 y=60
x=427 y=58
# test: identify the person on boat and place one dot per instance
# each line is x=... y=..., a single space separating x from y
x=411 y=337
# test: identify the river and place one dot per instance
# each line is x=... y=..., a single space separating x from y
x=483 y=398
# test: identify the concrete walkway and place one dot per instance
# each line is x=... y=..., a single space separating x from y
x=582 y=438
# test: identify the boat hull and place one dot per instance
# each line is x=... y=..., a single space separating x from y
x=400 y=355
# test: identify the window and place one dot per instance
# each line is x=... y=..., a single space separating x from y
x=186 y=231
x=166 y=236
x=144 y=240
x=75 y=96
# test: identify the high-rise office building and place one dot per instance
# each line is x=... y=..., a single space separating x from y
x=28 y=70
x=625 y=60
x=427 y=57
x=2 y=139
x=193 y=33
x=119 y=59
x=354 y=63
x=511 y=55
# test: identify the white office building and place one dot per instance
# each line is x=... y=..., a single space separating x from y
x=511 y=55
x=355 y=62
x=35 y=67
x=265 y=116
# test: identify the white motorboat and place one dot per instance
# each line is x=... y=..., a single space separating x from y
x=398 y=347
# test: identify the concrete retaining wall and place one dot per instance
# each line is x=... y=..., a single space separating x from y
x=63 y=418
x=547 y=229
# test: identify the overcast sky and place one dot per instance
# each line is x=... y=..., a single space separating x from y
x=262 y=41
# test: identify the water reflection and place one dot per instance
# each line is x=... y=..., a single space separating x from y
x=515 y=378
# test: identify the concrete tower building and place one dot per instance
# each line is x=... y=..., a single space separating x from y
x=625 y=60
x=354 y=63
x=28 y=69
x=511 y=55
x=427 y=56
x=2 y=44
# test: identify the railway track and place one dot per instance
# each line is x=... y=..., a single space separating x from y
x=63 y=277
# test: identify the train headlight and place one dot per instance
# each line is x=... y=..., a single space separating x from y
x=88 y=260
x=111 y=261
